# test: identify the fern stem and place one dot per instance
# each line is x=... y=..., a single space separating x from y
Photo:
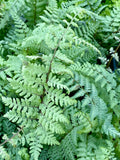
x=55 y=50
x=88 y=120
x=8 y=140
x=35 y=13
x=50 y=66
x=112 y=57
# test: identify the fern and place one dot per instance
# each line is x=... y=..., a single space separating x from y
x=20 y=31
x=35 y=8
x=64 y=105
x=14 y=7
x=51 y=115
x=4 y=154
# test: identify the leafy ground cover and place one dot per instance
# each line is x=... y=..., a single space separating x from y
x=59 y=80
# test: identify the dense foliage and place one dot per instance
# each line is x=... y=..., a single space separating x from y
x=59 y=80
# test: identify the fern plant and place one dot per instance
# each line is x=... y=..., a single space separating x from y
x=57 y=103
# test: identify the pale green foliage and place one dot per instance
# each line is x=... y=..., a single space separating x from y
x=4 y=154
x=63 y=105
x=39 y=108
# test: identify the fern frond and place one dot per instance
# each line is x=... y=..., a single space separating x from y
x=51 y=85
x=35 y=148
x=85 y=122
x=59 y=98
x=8 y=127
x=46 y=137
x=88 y=151
x=66 y=150
x=16 y=34
x=108 y=128
x=101 y=76
x=59 y=68
x=4 y=154
x=53 y=3
x=14 y=7
x=35 y=9
x=78 y=41
x=51 y=15
x=63 y=58
x=54 y=81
